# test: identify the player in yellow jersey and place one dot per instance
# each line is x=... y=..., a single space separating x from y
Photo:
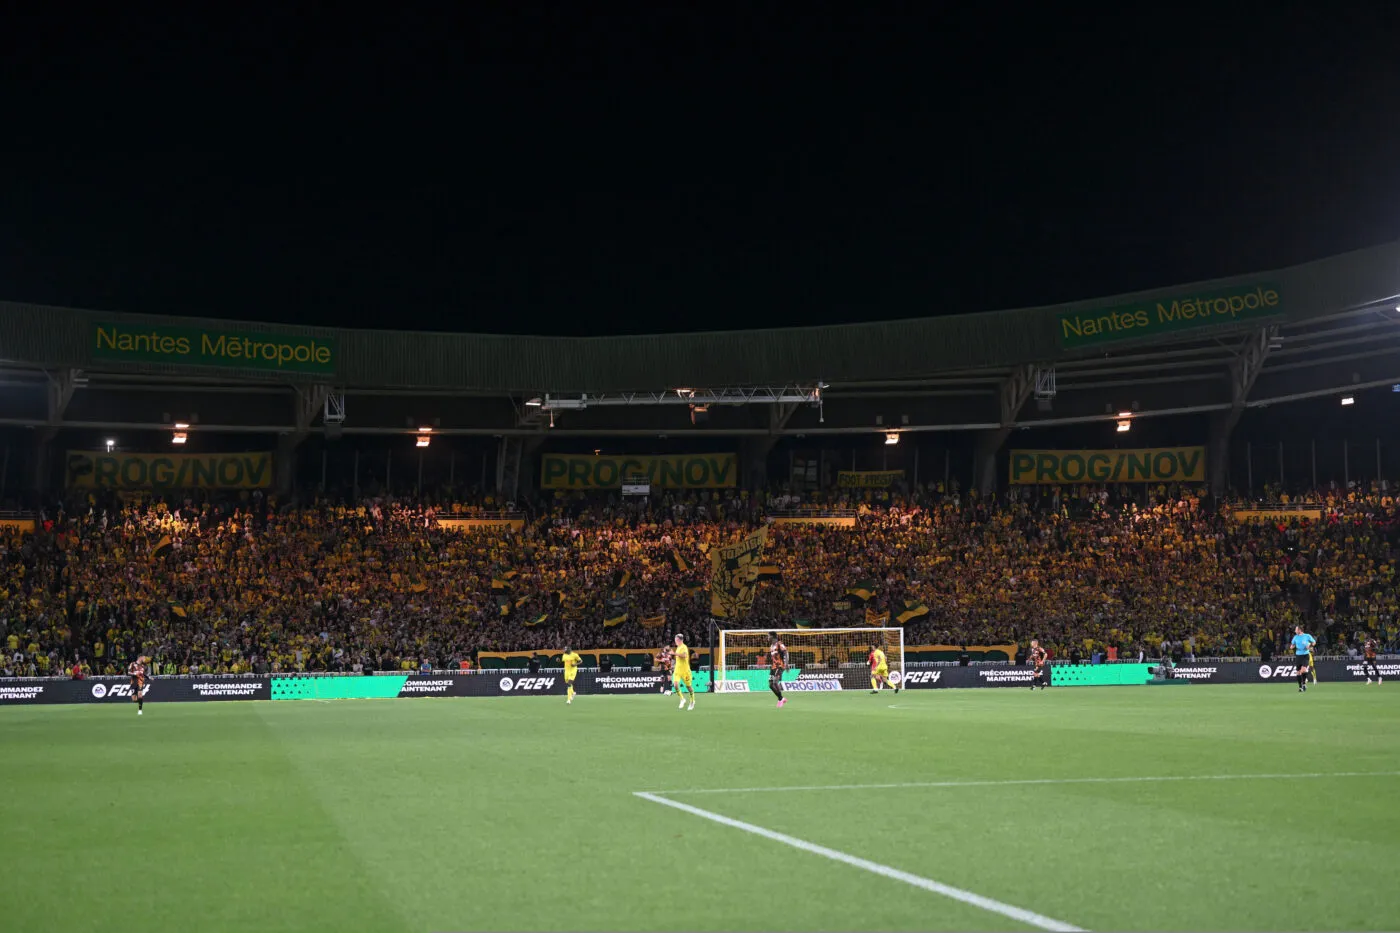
x=571 y=662
x=680 y=674
x=879 y=671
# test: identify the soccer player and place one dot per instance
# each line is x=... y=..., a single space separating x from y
x=777 y=663
x=1038 y=659
x=879 y=671
x=680 y=674
x=571 y=662
x=666 y=658
x=1302 y=656
x=136 y=673
x=1369 y=664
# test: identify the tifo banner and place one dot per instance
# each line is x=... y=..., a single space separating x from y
x=88 y=468
x=1276 y=515
x=474 y=524
x=21 y=525
x=1155 y=465
x=734 y=575
x=688 y=471
x=868 y=479
x=198 y=346
x=1170 y=315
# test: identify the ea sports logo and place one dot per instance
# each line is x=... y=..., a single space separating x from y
x=507 y=684
x=896 y=677
x=1265 y=671
x=99 y=690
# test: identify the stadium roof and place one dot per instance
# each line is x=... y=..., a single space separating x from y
x=1290 y=332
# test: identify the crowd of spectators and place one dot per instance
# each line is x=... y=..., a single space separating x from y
x=251 y=583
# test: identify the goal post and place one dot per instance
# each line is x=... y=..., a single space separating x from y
x=826 y=658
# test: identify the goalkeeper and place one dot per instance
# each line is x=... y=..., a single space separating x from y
x=777 y=663
x=879 y=671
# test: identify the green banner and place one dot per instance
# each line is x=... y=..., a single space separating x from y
x=89 y=468
x=195 y=346
x=1149 y=317
x=752 y=681
x=378 y=687
x=1164 y=465
x=691 y=471
x=1098 y=675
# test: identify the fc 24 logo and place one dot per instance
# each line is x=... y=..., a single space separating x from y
x=115 y=691
x=916 y=677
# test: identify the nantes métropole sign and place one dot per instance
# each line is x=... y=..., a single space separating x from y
x=1151 y=317
x=197 y=346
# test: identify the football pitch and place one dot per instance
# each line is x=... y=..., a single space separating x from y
x=1109 y=808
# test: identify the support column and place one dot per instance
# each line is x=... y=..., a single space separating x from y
x=307 y=403
x=1244 y=370
x=59 y=393
x=1015 y=390
x=515 y=473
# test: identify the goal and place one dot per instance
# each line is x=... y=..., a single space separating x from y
x=823 y=658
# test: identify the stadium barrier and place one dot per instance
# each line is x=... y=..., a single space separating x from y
x=55 y=690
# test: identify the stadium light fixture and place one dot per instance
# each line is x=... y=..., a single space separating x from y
x=181 y=426
x=1124 y=427
x=1348 y=400
x=535 y=402
x=1125 y=414
x=179 y=437
x=110 y=444
x=892 y=437
x=424 y=440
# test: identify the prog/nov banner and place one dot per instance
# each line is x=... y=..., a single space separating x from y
x=87 y=468
x=197 y=346
x=1155 y=465
x=1150 y=317
x=868 y=479
x=687 y=471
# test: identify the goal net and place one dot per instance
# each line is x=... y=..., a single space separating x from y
x=818 y=658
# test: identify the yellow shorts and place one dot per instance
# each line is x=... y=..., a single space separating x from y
x=882 y=671
x=681 y=678
x=569 y=678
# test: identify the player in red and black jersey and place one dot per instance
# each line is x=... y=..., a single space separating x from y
x=666 y=658
x=1039 y=657
x=777 y=663
x=1368 y=665
x=136 y=673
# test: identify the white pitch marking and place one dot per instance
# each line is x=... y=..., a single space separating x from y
x=1035 y=781
x=958 y=894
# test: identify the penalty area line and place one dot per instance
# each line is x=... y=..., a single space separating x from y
x=958 y=894
x=1149 y=779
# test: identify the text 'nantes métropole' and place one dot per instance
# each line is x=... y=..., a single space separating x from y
x=1179 y=313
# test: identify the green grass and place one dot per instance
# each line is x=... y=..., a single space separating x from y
x=518 y=813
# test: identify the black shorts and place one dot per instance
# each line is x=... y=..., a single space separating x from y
x=1301 y=660
x=136 y=686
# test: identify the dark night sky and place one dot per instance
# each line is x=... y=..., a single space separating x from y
x=543 y=168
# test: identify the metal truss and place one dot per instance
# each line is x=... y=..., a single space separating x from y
x=694 y=398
